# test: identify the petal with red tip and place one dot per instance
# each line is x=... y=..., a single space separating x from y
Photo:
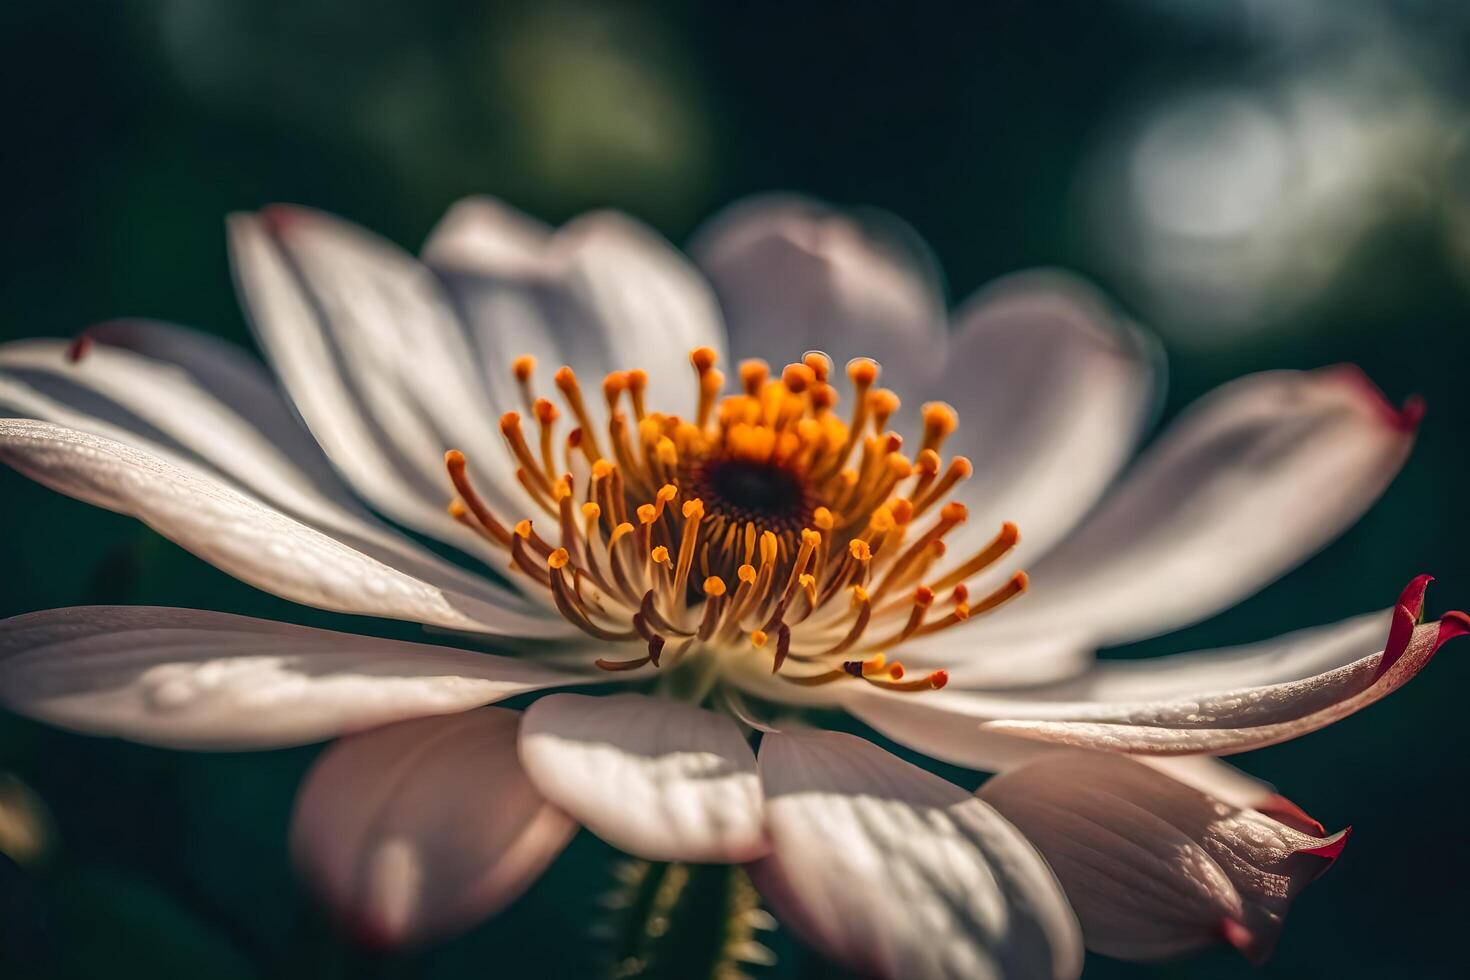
x=1244 y=485
x=1155 y=868
x=169 y=391
x=1225 y=722
x=205 y=680
x=240 y=534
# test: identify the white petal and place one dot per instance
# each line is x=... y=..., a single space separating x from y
x=1234 y=720
x=1219 y=701
x=1053 y=389
x=1247 y=483
x=423 y=828
x=1290 y=657
x=793 y=275
x=602 y=293
x=176 y=392
x=896 y=873
x=242 y=536
x=205 y=680
x=372 y=353
x=944 y=725
x=1155 y=868
x=662 y=780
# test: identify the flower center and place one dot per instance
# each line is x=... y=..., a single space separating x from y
x=767 y=525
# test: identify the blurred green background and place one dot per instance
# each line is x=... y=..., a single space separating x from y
x=1264 y=182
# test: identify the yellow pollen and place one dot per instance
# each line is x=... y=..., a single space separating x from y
x=765 y=521
x=819 y=363
x=883 y=402
x=798 y=377
x=703 y=358
x=614 y=385
x=863 y=371
x=940 y=417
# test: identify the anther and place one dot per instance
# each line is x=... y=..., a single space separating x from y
x=753 y=375
x=613 y=386
x=797 y=377
x=931 y=682
x=940 y=421
x=882 y=403
x=455 y=463
x=637 y=385
x=566 y=383
x=862 y=371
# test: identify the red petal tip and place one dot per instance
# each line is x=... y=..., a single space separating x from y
x=1405 y=418
x=1333 y=848
x=1281 y=809
x=80 y=346
x=1412 y=598
x=278 y=218
x=1411 y=414
x=1451 y=625
x=1407 y=612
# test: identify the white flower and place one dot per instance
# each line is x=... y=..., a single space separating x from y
x=778 y=547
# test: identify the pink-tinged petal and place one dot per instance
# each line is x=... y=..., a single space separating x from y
x=660 y=779
x=602 y=293
x=896 y=873
x=204 y=680
x=178 y=393
x=239 y=534
x=1289 y=657
x=945 y=724
x=421 y=829
x=1054 y=388
x=792 y=275
x=1224 y=722
x=1212 y=701
x=1155 y=868
x=372 y=352
x=1247 y=483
